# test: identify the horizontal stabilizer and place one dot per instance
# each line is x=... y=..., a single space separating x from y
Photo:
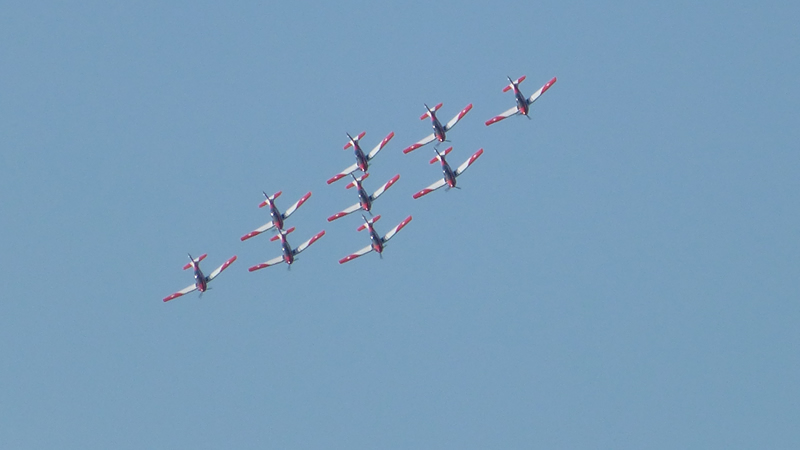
x=196 y=260
x=372 y=220
x=444 y=153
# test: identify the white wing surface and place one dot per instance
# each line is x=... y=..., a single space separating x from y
x=355 y=255
x=430 y=188
x=183 y=291
x=468 y=162
x=219 y=269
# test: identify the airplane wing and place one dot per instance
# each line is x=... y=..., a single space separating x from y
x=467 y=163
x=378 y=147
x=347 y=211
x=257 y=231
x=430 y=188
x=383 y=188
x=427 y=140
x=355 y=255
x=183 y=291
x=455 y=119
x=394 y=230
x=271 y=262
x=541 y=91
x=294 y=207
x=305 y=244
x=219 y=269
x=503 y=115
x=344 y=173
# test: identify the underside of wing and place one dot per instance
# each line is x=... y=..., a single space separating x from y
x=343 y=173
x=458 y=117
x=394 y=230
x=468 y=162
x=345 y=212
x=503 y=115
x=271 y=262
x=305 y=244
x=219 y=269
x=378 y=147
x=297 y=204
x=383 y=188
x=541 y=91
x=430 y=188
x=427 y=140
x=259 y=230
x=355 y=255
x=183 y=291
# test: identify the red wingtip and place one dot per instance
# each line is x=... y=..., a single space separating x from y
x=289 y=230
x=336 y=178
x=256 y=267
x=277 y=194
x=249 y=235
x=507 y=88
x=549 y=83
x=494 y=120
x=274 y=238
x=521 y=79
x=411 y=148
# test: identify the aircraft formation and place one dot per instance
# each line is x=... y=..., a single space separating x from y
x=365 y=200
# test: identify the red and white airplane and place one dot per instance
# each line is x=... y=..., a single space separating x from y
x=362 y=160
x=277 y=217
x=439 y=131
x=364 y=200
x=200 y=280
x=449 y=178
x=288 y=252
x=378 y=243
x=523 y=104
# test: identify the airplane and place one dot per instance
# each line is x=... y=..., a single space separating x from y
x=200 y=280
x=523 y=104
x=362 y=161
x=288 y=252
x=450 y=176
x=364 y=200
x=438 y=130
x=277 y=217
x=378 y=243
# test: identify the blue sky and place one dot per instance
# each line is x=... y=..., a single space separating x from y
x=618 y=272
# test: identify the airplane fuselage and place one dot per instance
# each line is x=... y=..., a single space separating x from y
x=522 y=102
x=277 y=217
x=377 y=242
x=438 y=129
x=288 y=254
x=364 y=198
x=361 y=159
x=449 y=175
x=200 y=280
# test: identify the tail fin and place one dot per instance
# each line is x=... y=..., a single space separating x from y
x=436 y=158
x=281 y=232
x=369 y=221
x=350 y=143
x=356 y=180
x=513 y=83
x=196 y=260
x=270 y=198
x=430 y=110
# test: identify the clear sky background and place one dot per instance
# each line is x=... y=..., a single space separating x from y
x=619 y=272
